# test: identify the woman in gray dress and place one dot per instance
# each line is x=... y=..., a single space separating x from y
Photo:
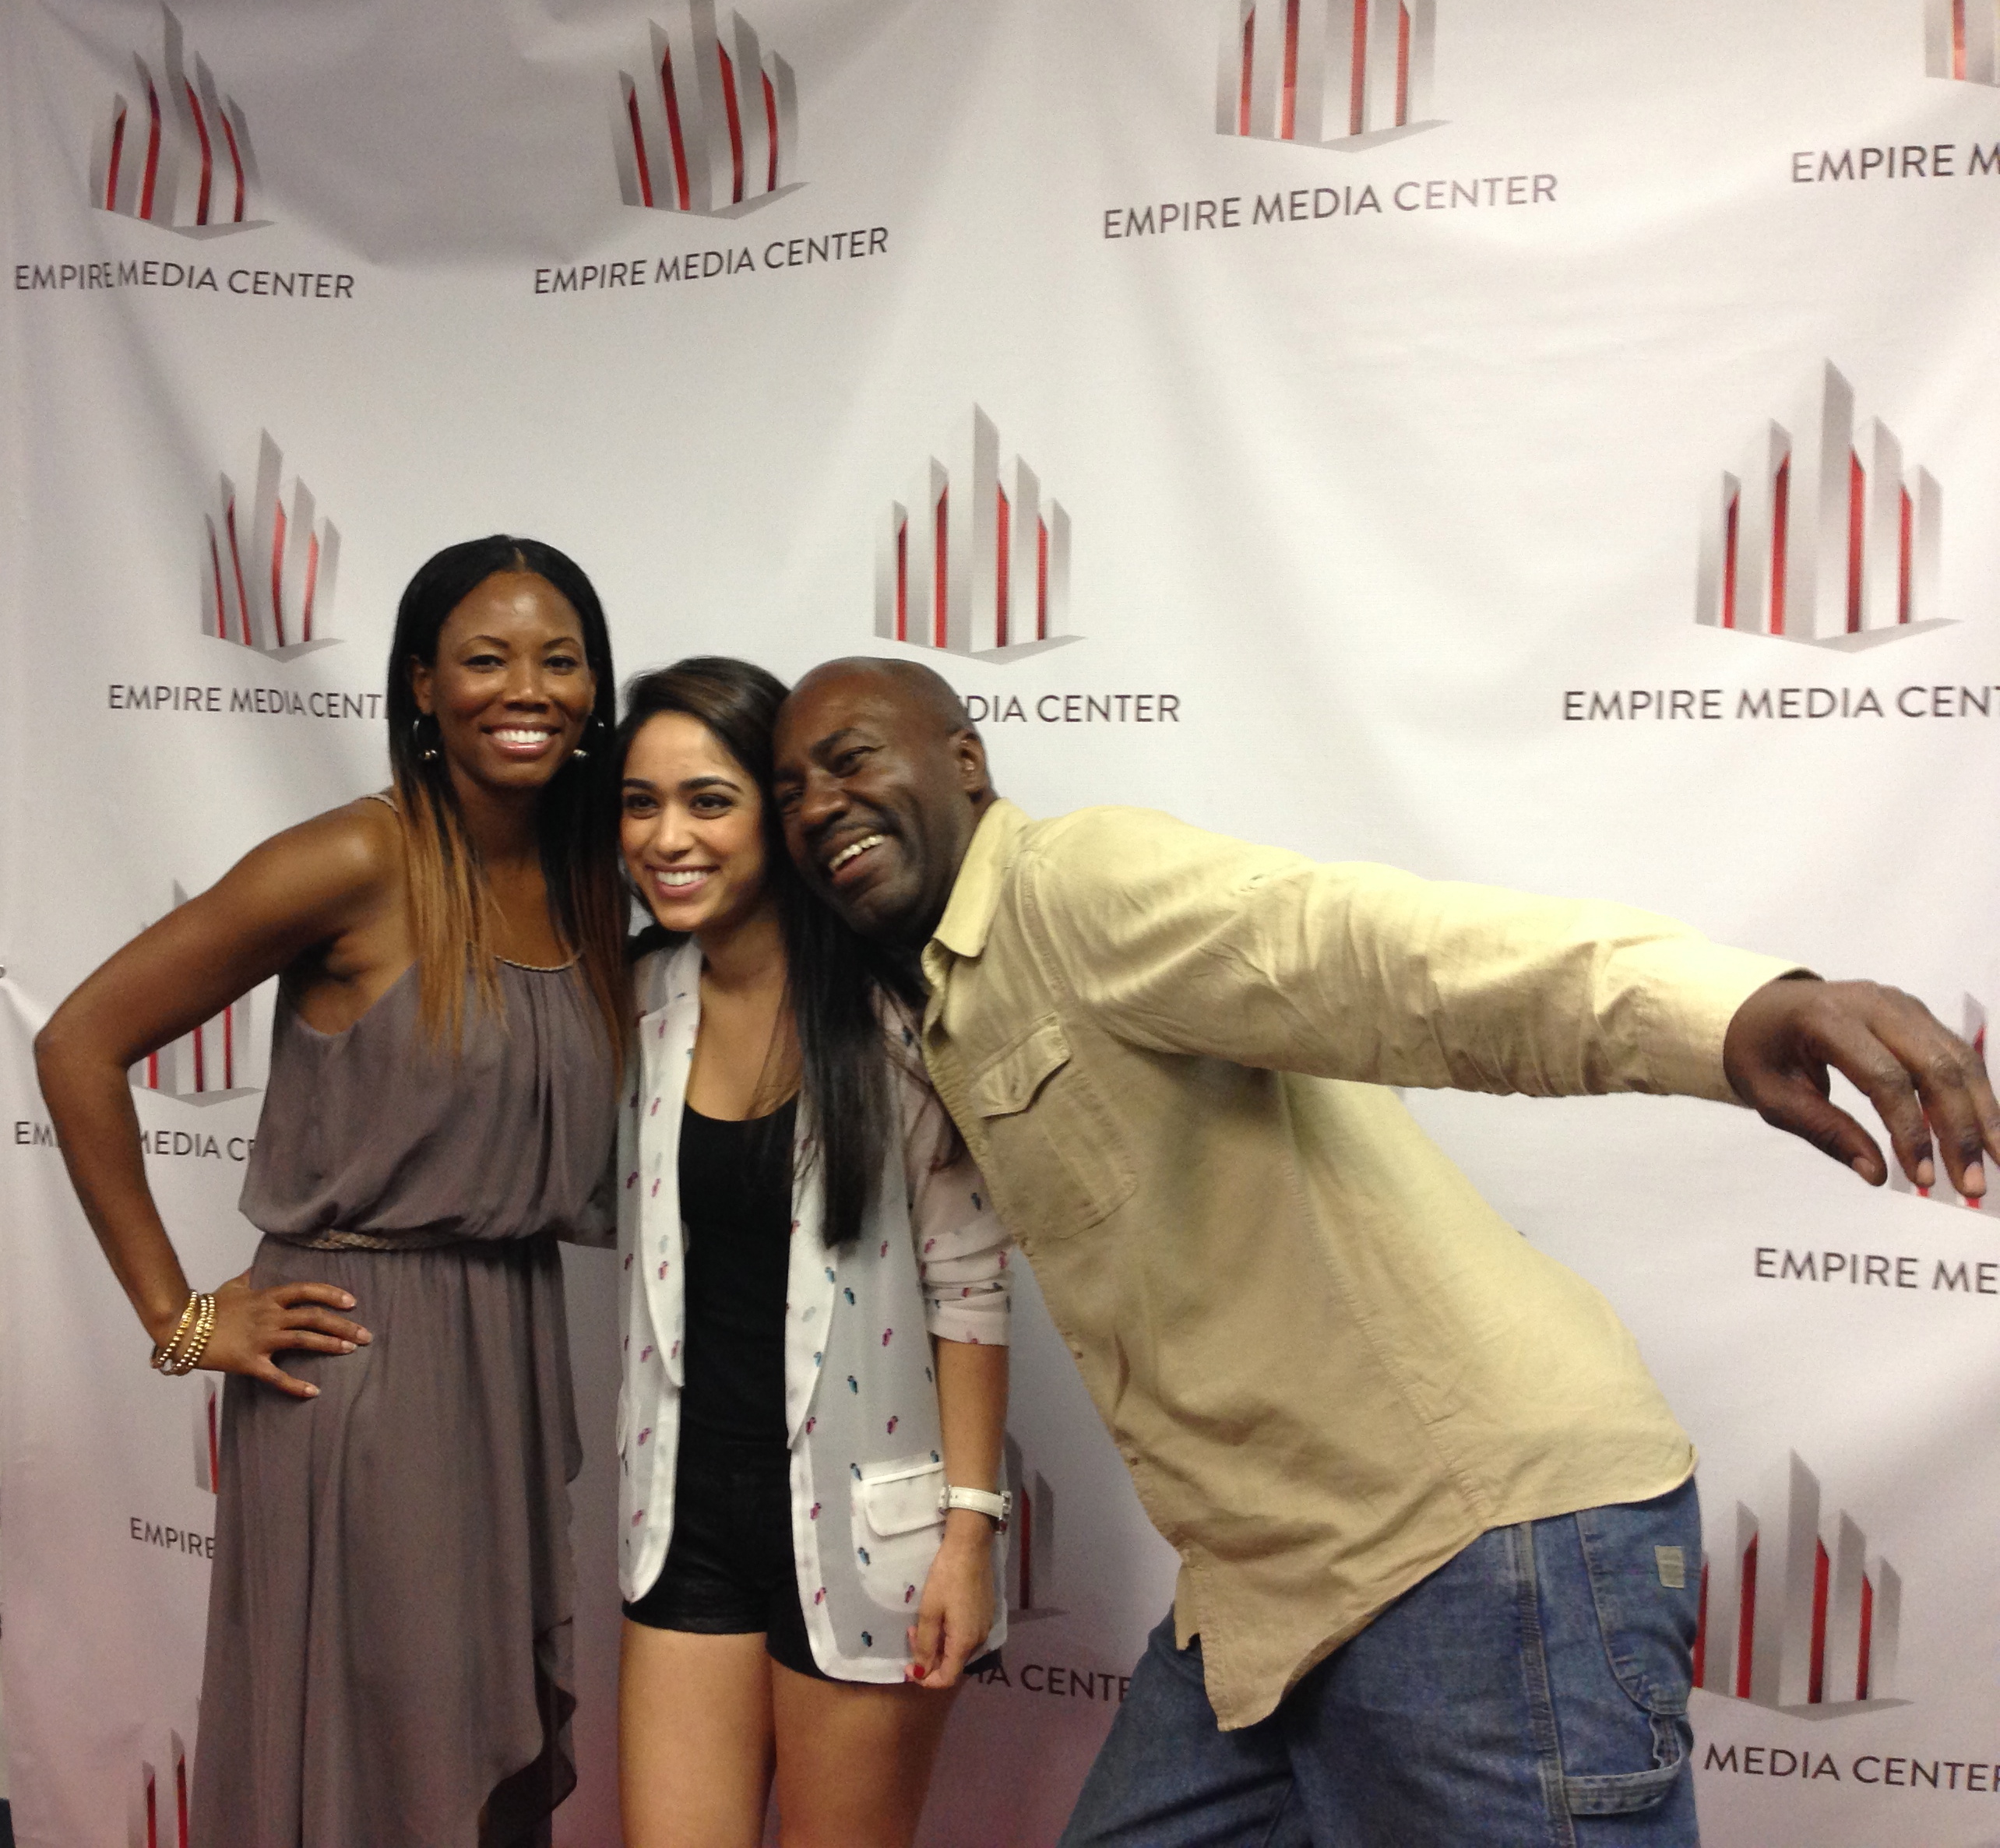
x=389 y=1610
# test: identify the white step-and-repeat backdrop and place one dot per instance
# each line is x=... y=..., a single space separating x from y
x=1526 y=442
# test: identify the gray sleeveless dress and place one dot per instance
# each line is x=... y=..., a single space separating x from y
x=388 y=1641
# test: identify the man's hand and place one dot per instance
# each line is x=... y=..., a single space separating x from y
x=1923 y=1080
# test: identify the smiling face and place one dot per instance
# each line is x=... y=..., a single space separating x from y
x=510 y=689
x=880 y=788
x=691 y=826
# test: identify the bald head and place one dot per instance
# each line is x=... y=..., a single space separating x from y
x=921 y=690
x=881 y=780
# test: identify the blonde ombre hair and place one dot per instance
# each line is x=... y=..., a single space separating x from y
x=452 y=914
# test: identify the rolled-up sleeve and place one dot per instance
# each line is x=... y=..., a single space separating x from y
x=964 y=1252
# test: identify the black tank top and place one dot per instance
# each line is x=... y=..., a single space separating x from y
x=736 y=1187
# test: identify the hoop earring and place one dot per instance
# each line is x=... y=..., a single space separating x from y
x=428 y=753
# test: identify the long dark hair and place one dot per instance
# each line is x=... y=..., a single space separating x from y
x=835 y=983
x=576 y=818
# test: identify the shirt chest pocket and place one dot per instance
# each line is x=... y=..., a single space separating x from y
x=1059 y=1162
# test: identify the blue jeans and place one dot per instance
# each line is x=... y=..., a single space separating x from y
x=1531 y=1693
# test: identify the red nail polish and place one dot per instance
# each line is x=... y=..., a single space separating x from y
x=919 y=1670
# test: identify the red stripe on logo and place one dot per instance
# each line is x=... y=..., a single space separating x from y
x=311 y=587
x=1357 y=82
x=673 y=127
x=903 y=581
x=1858 y=495
x=1001 y=585
x=152 y=152
x=117 y=153
x=1731 y=524
x=236 y=161
x=1249 y=64
x=940 y=564
x=771 y=123
x=208 y=156
x=278 y=571
x=1780 y=525
x=639 y=149
x=1288 y=98
x=735 y=121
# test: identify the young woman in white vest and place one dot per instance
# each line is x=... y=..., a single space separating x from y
x=814 y=1326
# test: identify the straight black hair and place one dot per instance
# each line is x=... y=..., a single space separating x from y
x=849 y=999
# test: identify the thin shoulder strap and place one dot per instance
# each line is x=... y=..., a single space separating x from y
x=388 y=802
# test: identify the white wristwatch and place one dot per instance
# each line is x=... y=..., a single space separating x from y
x=998 y=1508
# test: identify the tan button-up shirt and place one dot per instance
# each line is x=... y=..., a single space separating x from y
x=1330 y=1365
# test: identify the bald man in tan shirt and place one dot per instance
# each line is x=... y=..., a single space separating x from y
x=1439 y=1543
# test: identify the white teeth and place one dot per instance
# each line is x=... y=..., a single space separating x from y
x=848 y=852
x=523 y=736
x=692 y=877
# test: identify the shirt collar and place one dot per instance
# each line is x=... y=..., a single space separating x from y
x=976 y=891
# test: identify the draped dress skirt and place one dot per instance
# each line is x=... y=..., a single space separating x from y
x=389 y=1660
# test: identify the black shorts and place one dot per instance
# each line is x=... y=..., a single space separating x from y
x=729 y=1571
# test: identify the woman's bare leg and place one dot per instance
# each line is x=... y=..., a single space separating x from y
x=694 y=1750
x=854 y=1759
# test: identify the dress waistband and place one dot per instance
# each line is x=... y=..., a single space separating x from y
x=336 y=1240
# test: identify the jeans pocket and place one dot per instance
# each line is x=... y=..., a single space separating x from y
x=1643 y=1560
x=1621 y=1594
x=1614 y=1793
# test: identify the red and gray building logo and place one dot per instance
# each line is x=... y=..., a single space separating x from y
x=176 y=152
x=268 y=564
x=1972 y=1029
x=975 y=560
x=210 y=1066
x=157 y=1813
x=1327 y=73
x=1797 y=1615
x=1030 y=1541
x=1962 y=40
x=709 y=122
x=1824 y=533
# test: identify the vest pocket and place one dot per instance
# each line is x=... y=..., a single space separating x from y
x=897 y=1527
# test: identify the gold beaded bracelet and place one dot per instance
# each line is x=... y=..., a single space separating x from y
x=185 y=1358
x=163 y=1348
x=191 y=1356
x=169 y=1361
x=182 y=1352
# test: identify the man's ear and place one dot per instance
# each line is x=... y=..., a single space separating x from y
x=420 y=685
x=969 y=755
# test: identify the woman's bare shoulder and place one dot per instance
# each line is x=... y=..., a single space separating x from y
x=367 y=832
x=353 y=852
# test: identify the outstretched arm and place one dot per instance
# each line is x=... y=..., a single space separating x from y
x=305 y=888
x=1183 y=940
x=1187 y=942
x=1925 y=1082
